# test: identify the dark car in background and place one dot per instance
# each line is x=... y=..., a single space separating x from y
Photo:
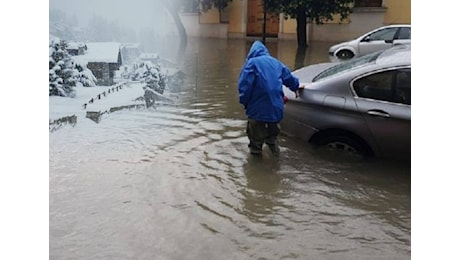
x=362 y=105
x=381 y=38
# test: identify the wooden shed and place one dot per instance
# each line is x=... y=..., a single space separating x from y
x=103 y=59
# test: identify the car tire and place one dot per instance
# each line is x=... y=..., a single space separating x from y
x=345 y=54
x=345 y=144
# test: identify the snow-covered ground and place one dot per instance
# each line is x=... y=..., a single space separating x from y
x=115 y=96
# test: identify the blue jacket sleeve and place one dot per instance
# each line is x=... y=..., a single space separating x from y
x=289 y=80
x=245 y=82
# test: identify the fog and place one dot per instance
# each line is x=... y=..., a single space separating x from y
x=134 y=13
x=143 y=21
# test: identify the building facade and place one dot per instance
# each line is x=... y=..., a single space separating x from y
x=244 y=18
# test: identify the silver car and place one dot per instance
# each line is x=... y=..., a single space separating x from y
x=360 y=105
x=379 y=39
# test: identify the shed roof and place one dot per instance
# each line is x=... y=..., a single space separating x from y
x=100 y=52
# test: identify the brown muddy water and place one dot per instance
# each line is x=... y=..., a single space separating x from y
x=177 y=182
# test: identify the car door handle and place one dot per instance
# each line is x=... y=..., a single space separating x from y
x=378 y=113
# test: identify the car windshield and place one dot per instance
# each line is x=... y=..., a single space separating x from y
x=347 y=65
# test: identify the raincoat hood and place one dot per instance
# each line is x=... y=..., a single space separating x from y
x=257 y=49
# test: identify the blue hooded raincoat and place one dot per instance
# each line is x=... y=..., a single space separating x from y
x=260 y=85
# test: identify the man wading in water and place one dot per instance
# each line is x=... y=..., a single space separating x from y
x=260 y=86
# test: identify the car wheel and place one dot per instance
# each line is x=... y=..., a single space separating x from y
x=345 y=144
x=345 y=54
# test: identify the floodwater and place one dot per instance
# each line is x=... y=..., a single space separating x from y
x=177 y=181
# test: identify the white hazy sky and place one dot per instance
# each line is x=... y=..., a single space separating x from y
x=137 y=13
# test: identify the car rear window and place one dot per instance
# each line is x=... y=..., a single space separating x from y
x=348 y=65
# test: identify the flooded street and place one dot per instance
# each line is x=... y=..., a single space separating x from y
x=177 y=181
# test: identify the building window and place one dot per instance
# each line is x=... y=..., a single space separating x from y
x=368 y=3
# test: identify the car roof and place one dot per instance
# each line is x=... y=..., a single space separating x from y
x=397 y=25
x=399 y=54
x=387 y=26
x=391 y=26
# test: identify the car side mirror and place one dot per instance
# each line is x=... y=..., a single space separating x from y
x=366 y=39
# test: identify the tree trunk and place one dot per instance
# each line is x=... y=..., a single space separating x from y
x=264 y=28
x=301 y=29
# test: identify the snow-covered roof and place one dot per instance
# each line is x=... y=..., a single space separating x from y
x=100 y=52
